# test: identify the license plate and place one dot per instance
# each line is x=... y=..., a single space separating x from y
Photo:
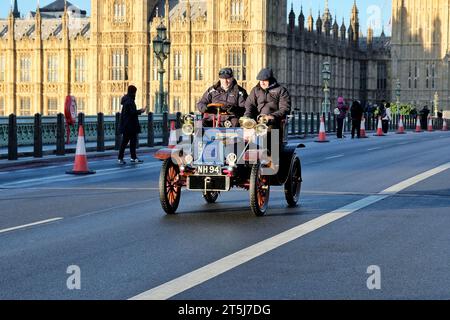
x=209 y=170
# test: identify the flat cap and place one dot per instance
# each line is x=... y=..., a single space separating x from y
x=265 y=74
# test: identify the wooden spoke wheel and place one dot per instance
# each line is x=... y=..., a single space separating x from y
x=170 y=187
x=259 y=191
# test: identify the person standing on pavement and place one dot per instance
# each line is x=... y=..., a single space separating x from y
x=424 y=113
x=341 y=112
x=357 y=112
x=129 y=126
x=386 y=117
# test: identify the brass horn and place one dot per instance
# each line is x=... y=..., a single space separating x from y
x=247 y=123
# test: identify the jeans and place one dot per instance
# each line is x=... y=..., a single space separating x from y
x=132 y=140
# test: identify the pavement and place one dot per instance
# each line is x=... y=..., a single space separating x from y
x=372 y=204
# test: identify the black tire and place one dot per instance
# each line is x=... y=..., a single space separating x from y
x=259 y=191
x=293 y=185
x=211 y=196
x=169 y=187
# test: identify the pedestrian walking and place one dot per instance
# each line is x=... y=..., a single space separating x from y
x=341 y=112
x=129 y=126
x=424 y=113
x=386 y=117
x=357 y=112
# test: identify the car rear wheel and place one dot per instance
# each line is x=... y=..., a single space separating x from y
x=170 y=187
x=293 y=185
x=259 y=191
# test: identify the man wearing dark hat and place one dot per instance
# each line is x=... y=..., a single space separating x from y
x=129 y=125
x=226 y=92
x=268 y=98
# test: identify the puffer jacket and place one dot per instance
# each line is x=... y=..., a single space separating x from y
x=233 y=99
x=129 y=119
x=274 y=101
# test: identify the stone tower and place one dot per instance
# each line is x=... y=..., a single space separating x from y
x=421 y=52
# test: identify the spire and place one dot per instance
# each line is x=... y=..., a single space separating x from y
x=369 y=37
x=343 y=30
x=301 y=20
x=15 y=11
x=327 y=15
x=188 y=10
x=319 y=24
x=38 y=9
x=335 y=29
x=310 y=22
x=327 y=20
x=167 y=12
x=355 y=24
x=292 y=18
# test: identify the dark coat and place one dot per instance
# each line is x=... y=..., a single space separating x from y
x=274 y=101
x=129 y=119
x=343 y=109
x=233 y=99
x=357 y=111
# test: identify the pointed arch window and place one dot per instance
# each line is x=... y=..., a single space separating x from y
x=119 y=65
x=178 y=65
x=237 y=10
x=25 y=69
x=25 y=106
x=410 y=76
x=199 y=65
x=433 y=76
x=416 y=75
x=120 y=11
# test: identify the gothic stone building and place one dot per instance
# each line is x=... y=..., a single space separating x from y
x=57 y=51
x=421 y=51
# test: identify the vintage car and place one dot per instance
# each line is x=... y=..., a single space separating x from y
x=210 y=161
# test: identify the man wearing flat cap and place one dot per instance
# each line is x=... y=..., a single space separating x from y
x=226 y=92
x=268 y=98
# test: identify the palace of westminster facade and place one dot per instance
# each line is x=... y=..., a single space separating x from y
x=58 y=51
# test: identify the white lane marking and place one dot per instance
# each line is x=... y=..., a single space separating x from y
x=30 y=225
x=373 y=149
x=84 y=189
x=403 y=143
x=208 y=272
x=65 y=177
x=335 y=157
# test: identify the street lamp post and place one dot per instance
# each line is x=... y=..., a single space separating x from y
x=161 y=48
x=326 y=76
x=436 y=104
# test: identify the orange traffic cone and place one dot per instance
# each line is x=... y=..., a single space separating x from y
x=380 y=132
x=322 y=132
x=363 y=128
x=444 y=126
x=418 y=126
x=401 y=126
x=430 y=124
x=173 y=140
x=81 y=165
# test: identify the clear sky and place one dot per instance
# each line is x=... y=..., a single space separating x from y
x=372 y=12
